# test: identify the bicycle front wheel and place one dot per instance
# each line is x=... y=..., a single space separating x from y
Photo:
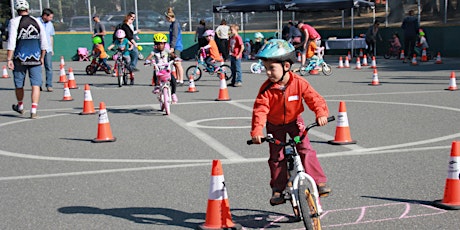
x=194 y=71
x=166 y=101
x=120 y=75
x=307 y=206
x=303 y=70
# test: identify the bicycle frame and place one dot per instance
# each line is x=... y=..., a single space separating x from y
x=163 y=73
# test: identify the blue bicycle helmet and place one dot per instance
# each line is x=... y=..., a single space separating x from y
x=278 y=50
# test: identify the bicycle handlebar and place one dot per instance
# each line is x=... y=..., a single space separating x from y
x=297 y=139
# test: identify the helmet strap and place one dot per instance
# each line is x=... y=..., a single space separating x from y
x=284 y=71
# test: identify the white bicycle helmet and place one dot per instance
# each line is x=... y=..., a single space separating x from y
x=21 y=5
x=120 y=33
x=209 y=33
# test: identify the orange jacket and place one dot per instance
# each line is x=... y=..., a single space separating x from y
x=214 y=50
x=279 y=106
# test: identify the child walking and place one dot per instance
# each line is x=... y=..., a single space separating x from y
x=279 y=107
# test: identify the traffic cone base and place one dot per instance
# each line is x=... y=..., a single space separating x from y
x=342 y=132
x=424 y=57
x=451 y=199
x=218 y=214
x=314 y=72
x=223 y=91
x=88 y=106
x=104 y=132
x=191 y=87
x=375 y=79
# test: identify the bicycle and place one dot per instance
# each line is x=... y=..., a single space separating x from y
x=163 y=73
x=326 y=68
x=301 y=189
x=95 y=66
x=392 y=51
x=257 y=67
x=195 y=70
x=120 y=68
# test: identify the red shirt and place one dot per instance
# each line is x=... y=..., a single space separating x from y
x=235 y=45
x=282 y=106
x=312 y=33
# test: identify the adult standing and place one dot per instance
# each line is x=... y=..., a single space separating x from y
x=175 y=43
x=309 y=33
x=99 y=29
x=27 y=46
x=46 y=19
x=372 y=34
x=199 y=34
x=134 y=53
x=410 y=27
x=222 y=32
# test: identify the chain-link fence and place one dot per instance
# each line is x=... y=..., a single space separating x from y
x=76 y=15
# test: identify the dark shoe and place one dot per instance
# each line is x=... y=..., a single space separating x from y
x=41 y=89
x=16 y=108
x=33 y=116
x=231 y=84
x=323 y=190
x=131 y=82
x=135 y=69
x=277 y=198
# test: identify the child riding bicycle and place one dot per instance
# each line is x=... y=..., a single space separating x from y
x=99 y=52
x=314 y=53
x=279 y=106
x=121 y=43
x=213 y=55
x=161 y=55
x=421 y=44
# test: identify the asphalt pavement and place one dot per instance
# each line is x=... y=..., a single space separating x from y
x=156 y=175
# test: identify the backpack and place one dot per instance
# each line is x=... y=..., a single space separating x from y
x=114 y=38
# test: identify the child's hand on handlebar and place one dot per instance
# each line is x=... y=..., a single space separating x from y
x=322 y=120
x=257 y=139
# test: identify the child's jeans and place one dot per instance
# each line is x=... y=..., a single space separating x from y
x=277 y=161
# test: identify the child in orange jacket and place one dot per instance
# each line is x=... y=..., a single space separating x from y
x=214 y=56
x=279 y=106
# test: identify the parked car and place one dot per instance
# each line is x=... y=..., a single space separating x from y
x=80 y=23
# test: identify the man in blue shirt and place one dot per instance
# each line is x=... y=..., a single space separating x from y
x=47 y=17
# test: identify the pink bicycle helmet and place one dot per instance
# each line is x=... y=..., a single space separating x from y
x=208 y=33
x=120 y=33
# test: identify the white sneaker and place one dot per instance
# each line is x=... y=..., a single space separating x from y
x=174 y=98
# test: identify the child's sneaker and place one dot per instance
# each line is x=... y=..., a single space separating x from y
x=156 y=90
x=174 y=98
x=216 y=69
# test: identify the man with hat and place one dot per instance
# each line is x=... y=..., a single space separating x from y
x=99 y=28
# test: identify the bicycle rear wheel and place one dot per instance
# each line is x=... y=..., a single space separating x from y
x=307 y=205
x=194 y=71
x=227 y=70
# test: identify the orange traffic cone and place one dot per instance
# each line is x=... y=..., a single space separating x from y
x=88 y=105
x=361 y=54
x=424 y=57
x=373 y=63
x=191 y=86
x=364 y=60
x=414 y=60
x=299 y=57
x=340 y=62
x=314 y=72
x=72 y=83
x=349 y=55
x=375 y=79
x=438 y=58
x=451 y=198
x=342 y=132
x=62 y=77
x=401 y=55
x=223 y=91
x=104 y=132
x=67 y=96
x=5 y=72
x=347 y=62
x=218 y=214
x=453 y=82
x=358 y=63
x=62 y=61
